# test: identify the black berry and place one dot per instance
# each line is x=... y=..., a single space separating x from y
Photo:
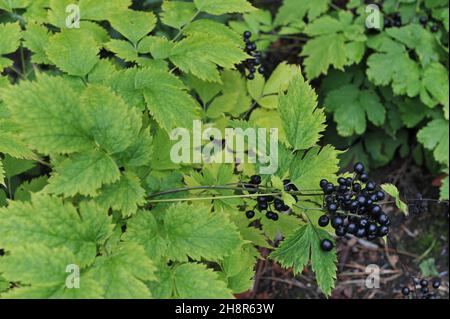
x=324 y=220
x=255 y=180
x=250 y=214
x=326 y=245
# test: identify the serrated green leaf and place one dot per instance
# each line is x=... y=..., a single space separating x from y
x=133 y=25
x=124 y=195
x=166 y=99
x=73 y=52
x=323 y=52
x=42 y=271
x=123 y=274
x=307 y=169
x=304 y=245
x=199 y=54
x=51 y=222
x=144 y=229
x=47 y=112
x=10 y=5
x=303 y=121
x=123 y=49
x=101 y=108
x=24 y=191
x=435 y=83
x=195 y=281
x=192 y=231
x=36 y=38
x=351 y=106
x=177 y=14
x=83 y=173
x=218 y=7
x=10 y=33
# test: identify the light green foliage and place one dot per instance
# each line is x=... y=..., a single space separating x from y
x=73 y=51
x=303 y=121
x=218 y=7
x=10 y=33
x=85 y=145
x=395 y=194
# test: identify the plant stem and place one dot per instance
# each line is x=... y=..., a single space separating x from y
x=179 y=34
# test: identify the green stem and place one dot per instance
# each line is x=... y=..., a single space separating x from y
x=188 y=199
x=180 y=33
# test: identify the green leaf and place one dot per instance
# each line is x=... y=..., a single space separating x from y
x=239 y=268
x=166 y=99
x=218 y=7
x=15 y=166
x=295 y=10
x=195 y=281
x=101 y=110
x=395 y=68
x=304 y=245
x=435 y=138
x=51 y=222
x=124 y=195
x=213 y=28
x=303 y=121
x=73 y=52
x=308 y=168
x=47 y=112
x=435 y=83
x=192 y=231
x=10 y=33
x=323 y=52
x=351 y=106
x=144 y=229
x=199 y=54
x=176 y=14
x=393 y=191
x=133 y=25
x=42 y=273
x=123 y=49
x=122 y=274
x=83 y=173
x=36 y=38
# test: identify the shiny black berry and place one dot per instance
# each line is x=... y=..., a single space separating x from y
x=323 y=183
x=358 y=168
x=324 y=220
x=247 y=35
x=434 y=28
x=261 y=70
x=424 y=283
x=364 y=178
x=251 y=76
x=332 y=207
x=383 y=219
x=406 y=291
x=371 y=186
x=250 y=214
x=326 y=245
x=328 y=189
x=337 y=221
x=255 y=180
x=436 y=283
x=351 y=228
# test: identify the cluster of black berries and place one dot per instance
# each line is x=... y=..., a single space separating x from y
x=394 y=20
x=353 y=208
x=418 y=206
x=425 y=21
x=268 y=204
x=255 y=61
x=422 y=286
